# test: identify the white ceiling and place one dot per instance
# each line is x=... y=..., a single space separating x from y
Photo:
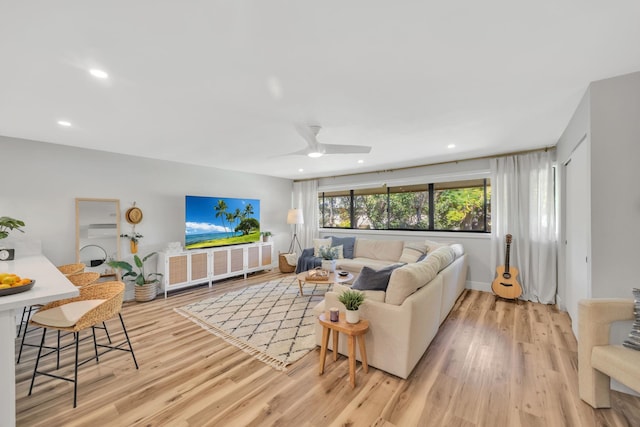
x=222 y=83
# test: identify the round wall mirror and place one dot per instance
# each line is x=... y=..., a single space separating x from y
x=93 y=255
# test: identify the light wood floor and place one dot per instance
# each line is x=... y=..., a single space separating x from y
x=493 y=363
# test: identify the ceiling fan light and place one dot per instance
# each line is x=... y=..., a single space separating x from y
x=314 y=154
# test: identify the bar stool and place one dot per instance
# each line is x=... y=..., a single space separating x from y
x=96 y=304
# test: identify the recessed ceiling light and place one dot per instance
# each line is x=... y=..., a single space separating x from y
x=361 y=161
x=315 y=154
x=300 y=170
x=64 y=123
x=451 y=146
x=98 y=73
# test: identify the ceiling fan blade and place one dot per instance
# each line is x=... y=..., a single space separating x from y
x=308 y=133
x=344 y=149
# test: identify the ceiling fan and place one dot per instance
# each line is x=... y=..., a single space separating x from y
x=317 y=149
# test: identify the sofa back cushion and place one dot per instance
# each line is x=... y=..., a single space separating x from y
x=444 y=255
x=412 y=251
x=389 y=250
x=409 y=278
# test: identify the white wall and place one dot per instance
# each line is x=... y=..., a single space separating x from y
x=577 y=130
x=615 y=183
x=609 y=117
x=42 y=181
x=477 y=245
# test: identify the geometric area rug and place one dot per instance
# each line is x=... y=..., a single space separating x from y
x=269 y=321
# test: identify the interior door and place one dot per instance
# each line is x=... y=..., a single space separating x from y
x=578 y=220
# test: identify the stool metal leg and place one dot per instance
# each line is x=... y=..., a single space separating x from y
x=35 y=369
x=128 y=341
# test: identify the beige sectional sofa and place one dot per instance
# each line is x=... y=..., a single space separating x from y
x=404 y=319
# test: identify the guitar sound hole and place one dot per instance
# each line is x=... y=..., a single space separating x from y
x=506 y=275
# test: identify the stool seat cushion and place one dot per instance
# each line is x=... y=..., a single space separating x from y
x=65 y=315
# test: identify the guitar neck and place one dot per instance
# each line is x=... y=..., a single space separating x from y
x=506 y=259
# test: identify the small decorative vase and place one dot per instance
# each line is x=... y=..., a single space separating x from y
x=146 y=292
x=329 y=265
x=133 y=246
x=352 y=316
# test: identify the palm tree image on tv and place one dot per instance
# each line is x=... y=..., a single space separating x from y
x=218 y=221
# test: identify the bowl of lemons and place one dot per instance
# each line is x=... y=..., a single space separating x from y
x=11 y=283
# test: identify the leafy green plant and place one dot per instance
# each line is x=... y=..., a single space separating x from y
x=267 y=233
x=7 y=224
x=328 y=253
x=351 y=299
x=138 y=277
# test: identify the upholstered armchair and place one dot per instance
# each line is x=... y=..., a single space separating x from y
x=598 y=361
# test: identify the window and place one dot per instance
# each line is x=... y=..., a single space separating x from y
x=445 y=206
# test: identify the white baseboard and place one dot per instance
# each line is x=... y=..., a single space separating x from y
x=478 y=286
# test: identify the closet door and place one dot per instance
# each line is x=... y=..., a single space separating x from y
x=578 y=220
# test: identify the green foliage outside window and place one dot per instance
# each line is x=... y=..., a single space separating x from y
x=451 y=206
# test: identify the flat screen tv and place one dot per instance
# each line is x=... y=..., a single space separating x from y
x=220 y=221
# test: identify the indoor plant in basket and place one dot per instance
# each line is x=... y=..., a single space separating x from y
x=6 y=225
x=329 y=256
x=352 y=301
x=146 y=285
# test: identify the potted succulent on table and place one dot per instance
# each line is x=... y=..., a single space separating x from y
x=146 y=285
x=266 y=236
x=352 y=301
x=6 y=225
x=329 y=256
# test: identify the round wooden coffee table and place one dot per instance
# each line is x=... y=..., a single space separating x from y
x=333 y=278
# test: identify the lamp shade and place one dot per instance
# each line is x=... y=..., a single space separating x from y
x=295 y=216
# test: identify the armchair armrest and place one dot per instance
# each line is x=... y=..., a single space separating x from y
x=596 y=315
x=594 y=322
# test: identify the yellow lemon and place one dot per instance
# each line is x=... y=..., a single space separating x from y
x=8 y=280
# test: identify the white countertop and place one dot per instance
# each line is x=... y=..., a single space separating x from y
x=50 y=284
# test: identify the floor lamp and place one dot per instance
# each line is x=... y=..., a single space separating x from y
x=295 y=217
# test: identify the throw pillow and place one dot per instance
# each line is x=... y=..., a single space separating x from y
x=412 y=251
x=348 y=244
x=317 y=243
x=633 y=342
x=374 y=280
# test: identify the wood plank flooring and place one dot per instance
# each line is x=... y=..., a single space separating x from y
x=493 y=363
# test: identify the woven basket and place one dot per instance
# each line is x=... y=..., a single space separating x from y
x=146 y=292
x=284 y=265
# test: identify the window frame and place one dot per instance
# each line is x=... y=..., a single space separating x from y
x=351 y=193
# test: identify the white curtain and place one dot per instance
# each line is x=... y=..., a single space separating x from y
x=305 y=197
x=522 y=204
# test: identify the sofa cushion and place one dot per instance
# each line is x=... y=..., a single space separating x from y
x=390 y=250
x=368 y=295
x=348 y=245
x=633 y=341
x=444 y=255
x=412 y=252
x=355 y=265
x=409 y=278
x=66 y=315
x=374 y=280
x=318 y=243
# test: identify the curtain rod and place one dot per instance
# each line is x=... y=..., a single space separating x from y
x=513 y=153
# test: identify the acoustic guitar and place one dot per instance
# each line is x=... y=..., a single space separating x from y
x=505 y=285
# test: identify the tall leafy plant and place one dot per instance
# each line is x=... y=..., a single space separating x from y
x=138 y=277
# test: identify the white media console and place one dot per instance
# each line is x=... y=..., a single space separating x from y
x=198 y=266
